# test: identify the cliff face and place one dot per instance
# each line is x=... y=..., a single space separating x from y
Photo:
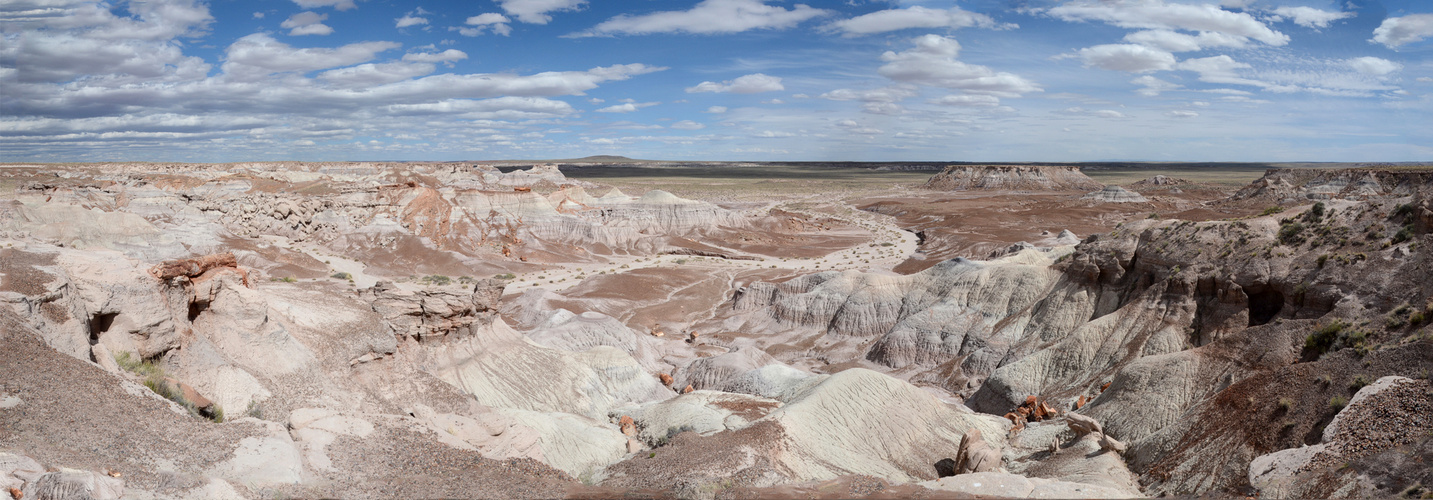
x=1012 y=177
x=1301 y=184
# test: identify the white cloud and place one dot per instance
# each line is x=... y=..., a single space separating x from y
x=1127 y=57
x=1153 y=86
x=258 y=15
x=1179 y=113
x=410 y=20
x=259 y=55
x=337 y=4
x=496 y=108
x=716 y=109
x=1156 y=14
x=687 y=125
x=370 y=75
x=1425 y=79
x=708 y=17
x=884 y=94
x=1171 y=41
x=978 y=101
x=1101 y=113
x=1399 y=31
x=306 y=23
x=1221 y=69
x=911 y=17
x=769 y=134
x=1309 y=17
x=748 y=84
x=449 y=55
x=491 y=20
x=1374 y=66
x=932 y=63
x=627 y=107
x=535 y=11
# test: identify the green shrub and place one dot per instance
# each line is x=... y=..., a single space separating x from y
x=1286 y=404
x=436 y=279
x=1338 y=402
x=1323 y=259
x=1359 y=381
x=1403 y=235
x=506 y=276
x=1323 y=339
x=1403 y=210
x=1272 y=210
x=342 y=276
x=1289 y=233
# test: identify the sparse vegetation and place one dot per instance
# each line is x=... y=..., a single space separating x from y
x=342 y=276
x=285 y=279
x=436 y=279
x=506 y=276
x=1271 y=211
x=1290 y=233
x=1338 y=402
x=155 y=379
x=1359 y=381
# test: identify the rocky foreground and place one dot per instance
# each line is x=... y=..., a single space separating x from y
x=450 y=330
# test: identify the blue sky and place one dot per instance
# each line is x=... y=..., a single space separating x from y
x=975 y=80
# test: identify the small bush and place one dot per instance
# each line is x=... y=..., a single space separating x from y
x=436 y=279
x=1315 y=214
x=1403 y=235
x=1286 y=404
x=505 y=276
x=341 y=276
x=254 y=410
x=1323 y=259
x=1338 y=402
x=1323 y=339
x=285 y=279
x=1272 y=210
x=1359 y=381
x=1403 y=210
x=1289 y=233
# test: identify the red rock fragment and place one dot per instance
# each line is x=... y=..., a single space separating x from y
x=629 y=426
x=688 y=389
x=1080 y=402
x=666 y=379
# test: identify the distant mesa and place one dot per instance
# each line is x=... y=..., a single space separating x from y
x=1115 y=194
x=1159 y=181
x=1012 y=177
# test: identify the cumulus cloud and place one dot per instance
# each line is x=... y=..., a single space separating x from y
x=716 y=109
x=975 y=101
x=1374 y=66
x=498 y=23
x=749 y=84
x=306 y=23
x=337 y=4
x=258 y=55
x=1179 y=113
x=884 y=94
x=535 y=11
x=627 y=107
x=370 y=75
x=1127 y=57
x=446 y=56
x=708 y=17
x=911 y=17
x=1309 y=17
x=1219 y=69
x=1156 y=14
x=1153 y=86
x=1171 y=41
x=410 y=20
x=932 y=63
x=687 y=125
x=1398 y=31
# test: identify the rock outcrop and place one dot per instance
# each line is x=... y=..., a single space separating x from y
x=1115 y=194
x=1012 y=177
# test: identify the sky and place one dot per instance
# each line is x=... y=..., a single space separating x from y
x=760 y=80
